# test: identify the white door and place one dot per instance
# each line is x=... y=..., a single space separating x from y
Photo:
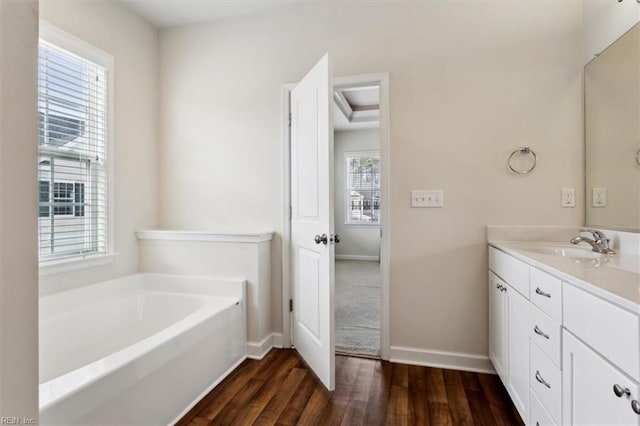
x=312 y=250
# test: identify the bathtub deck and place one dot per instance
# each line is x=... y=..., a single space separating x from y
x=279 y=389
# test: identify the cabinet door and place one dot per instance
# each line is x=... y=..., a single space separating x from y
x=587 y=388
x=518 y=323
x=497 y=329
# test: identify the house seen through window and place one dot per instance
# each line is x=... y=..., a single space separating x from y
x=362 y=192
x=72 y=154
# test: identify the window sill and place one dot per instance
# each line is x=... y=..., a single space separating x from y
x=53 y=267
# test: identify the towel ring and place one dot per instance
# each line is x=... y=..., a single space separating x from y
x=638 y=157
x=526 y=151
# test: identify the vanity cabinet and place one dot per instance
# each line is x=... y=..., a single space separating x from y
x=565 y=355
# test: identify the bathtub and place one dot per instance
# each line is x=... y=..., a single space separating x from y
x=138 y=350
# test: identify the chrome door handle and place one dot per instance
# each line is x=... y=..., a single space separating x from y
x=321 y=239
x=541 y=380
x=540 y=332
x=542 y=293
x=635 y=406
x=619 y=390
x=335 y=238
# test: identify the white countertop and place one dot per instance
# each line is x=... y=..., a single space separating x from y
x=615 y=278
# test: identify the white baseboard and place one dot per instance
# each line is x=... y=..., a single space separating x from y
x=257 y=350
x=441 y=359
x=357 y=257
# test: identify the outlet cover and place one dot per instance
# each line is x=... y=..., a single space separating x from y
x=568 y=197
x=599 y=197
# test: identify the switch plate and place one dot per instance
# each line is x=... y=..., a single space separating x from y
x=599 y=197
x=427 y=198
x=568 y=197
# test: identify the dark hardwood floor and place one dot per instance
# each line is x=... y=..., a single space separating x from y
x=280 y=389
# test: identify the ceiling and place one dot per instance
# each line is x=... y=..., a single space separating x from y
x=356 y=108
x=172 y=13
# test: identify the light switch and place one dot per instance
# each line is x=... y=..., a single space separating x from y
x=427 y=198
x=599 y=197
x=568 y=197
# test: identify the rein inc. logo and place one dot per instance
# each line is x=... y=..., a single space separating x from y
x=14 y=420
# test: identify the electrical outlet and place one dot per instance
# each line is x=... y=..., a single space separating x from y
x=568 y=197
x=427 y=198
x=599 y=197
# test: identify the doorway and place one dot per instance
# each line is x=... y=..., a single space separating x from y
x=380 y=80
x=357 y=219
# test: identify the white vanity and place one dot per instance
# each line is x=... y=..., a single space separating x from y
x=565 y=332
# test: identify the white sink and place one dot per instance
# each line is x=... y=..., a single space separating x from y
x=560 y=249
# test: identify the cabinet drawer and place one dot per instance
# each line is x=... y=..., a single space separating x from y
x=546 y=381
x=546 y=333
x=510 y=269
x=610 y=330
x=539 y=416
x=545 y=291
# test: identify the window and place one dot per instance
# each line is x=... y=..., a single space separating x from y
x=362 y=188
x=72 y=149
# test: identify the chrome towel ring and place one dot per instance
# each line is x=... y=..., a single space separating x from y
x=524 y=151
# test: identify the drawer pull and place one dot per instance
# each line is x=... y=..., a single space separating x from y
x=619 y=390
x=542 y=293
x=544 y=382
x=540 y=332
x=635 y=406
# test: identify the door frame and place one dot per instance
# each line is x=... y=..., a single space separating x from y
x=382 y=80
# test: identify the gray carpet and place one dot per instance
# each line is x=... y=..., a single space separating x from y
x=358 y=307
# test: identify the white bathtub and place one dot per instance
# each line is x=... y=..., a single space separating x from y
x=138 y=350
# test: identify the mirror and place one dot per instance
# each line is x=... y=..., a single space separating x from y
x=612 y=135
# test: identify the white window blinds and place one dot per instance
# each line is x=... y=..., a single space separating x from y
x=72 y=161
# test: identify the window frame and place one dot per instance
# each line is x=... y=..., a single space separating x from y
x=347 y=189
x=52 y=34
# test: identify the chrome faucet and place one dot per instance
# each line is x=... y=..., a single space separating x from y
x=599 y=243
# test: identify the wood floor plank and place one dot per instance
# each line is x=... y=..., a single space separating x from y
x=315 y=407
x=357 y=405
x=435 y=386
x=500 y=404
x=377 y=405
x=458 y=404
x=292 y=412
x=418 y=401
x=280 y=389
x=478 y=406
x=276 y=406
x=224 y=392
x=345 y=378
x=439 y=414
x=271 y=386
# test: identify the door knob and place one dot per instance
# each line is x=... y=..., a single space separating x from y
x=321 y=239
x=335 y=238
x=619 y=390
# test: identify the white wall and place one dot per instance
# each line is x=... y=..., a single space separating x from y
x=469 y=82
x=356 y=240
x=133 y=43
x=604 y=21
x=18 y=209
